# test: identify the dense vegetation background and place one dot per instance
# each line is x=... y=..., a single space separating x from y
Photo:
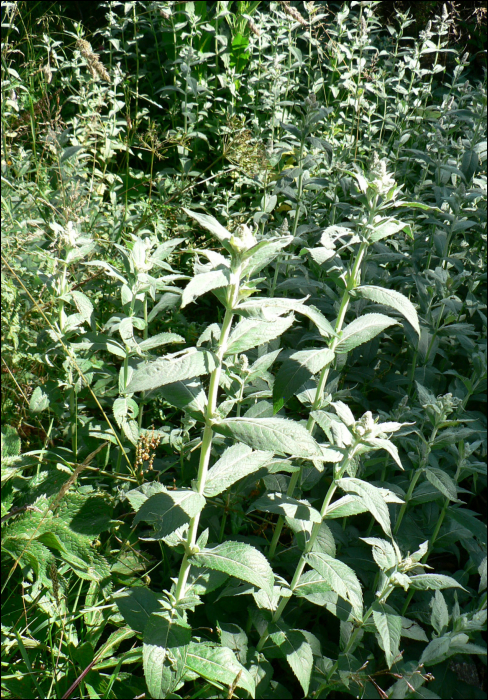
x=292 y=198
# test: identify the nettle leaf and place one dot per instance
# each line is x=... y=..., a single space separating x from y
x=168 y=510
x=383 y=552
x=389 y=626
x=219 y=665
x=423 y=582
x=165 y=649
x=295 y=371
x=212 y=225
x=287 y=506
x=239 y=560
x=280 y=435
x=169 y=369
x=389 y=297
x=250 y=332
x=340 y=577
x=361 y=330
x=372 y=498
x=237 y=462
x=204 y=283
x=297 y=651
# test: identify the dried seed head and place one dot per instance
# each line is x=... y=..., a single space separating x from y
x=292 y=12
x=252 y=26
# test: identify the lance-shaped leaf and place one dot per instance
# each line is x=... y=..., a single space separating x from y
x=280 y=435
x=212 y=225
x=165 y=648
x=423 y=582
x=340 y=577
x=204 y=283
x=219 y=665
x=160 y=339
x=387 y=228
x=263 y=305
x=363 y=329
x=383 y=552
x=372 y=498
x=169 y=369
x=239 y=560
x=317 y=590
x=295 y=371
x=237 y=462
x=384 y=444
x=389 y=297
x=187 y=394
x=251 y=332
x=389 y=626
x=168 y=510
x=296 y=650
x=287 y=506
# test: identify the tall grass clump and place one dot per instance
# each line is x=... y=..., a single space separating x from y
x=244 y=330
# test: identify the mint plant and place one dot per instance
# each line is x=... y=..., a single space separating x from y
x=244 y=310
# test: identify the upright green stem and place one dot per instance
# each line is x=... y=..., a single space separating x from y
x=313 y=536
x=319 y=393
x=207 y=439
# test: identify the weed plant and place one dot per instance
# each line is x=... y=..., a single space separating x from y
x=244 y=330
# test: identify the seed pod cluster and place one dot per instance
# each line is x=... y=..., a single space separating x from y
x=146 y=449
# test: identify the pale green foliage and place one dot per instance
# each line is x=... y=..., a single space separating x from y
x=255 y=371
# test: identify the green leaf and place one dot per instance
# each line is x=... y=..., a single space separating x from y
x=436 y=651
x=287 y=506
x=237 y=462
x=219 y=666
x=296 y=650
x=262 y=364
x=204 y=283
x=443 y=483
x=423 y=582
x=317 y=590
x=239 y=560
x=187 y=394
x=439 y=618
x=165 y=649
x=212 y=225
x=161 y=339
x=168 y=510
x=340 y=577
x=384 y=444
x=250 y=332
x=383 y=552
x=363 y=329
x=124 y=407
x=83 y=304
x=295 y=371
x=39 y=400
x=169 y=369
x=389 y=297
x=387 y=228
x=136 y=606
x=263 y=304
x=280 y=435
x=372 y=498
x=389 y=626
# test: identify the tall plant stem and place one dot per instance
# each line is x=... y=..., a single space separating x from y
x=313 y=536
x=206 y=441
x=319 y=393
